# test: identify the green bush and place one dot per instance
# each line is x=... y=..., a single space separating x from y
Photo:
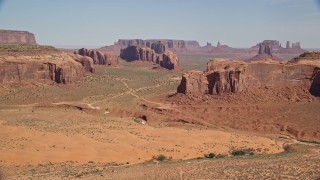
x=241 y=152
x=210 y=155
x=161 y=157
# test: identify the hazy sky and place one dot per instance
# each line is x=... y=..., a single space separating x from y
x=238 y=23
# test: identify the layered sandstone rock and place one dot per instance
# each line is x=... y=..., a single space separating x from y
x=86 y=62
x=166 y=60
x=172 y=45
x=158 y=47
x=17 y=37
x=265 y=53
x=108 y=59
x=226 y=76
x=20 y=63
x=142 y=53
x=169 y=61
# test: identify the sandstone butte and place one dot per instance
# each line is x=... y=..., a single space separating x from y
x=166 y=60
x=17 y=37
x=108 y=59
x=20 y=63
x=228 y=77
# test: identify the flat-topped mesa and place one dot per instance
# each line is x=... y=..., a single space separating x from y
x=227 y=76
x=170 y=44
x=158 y=47
x=166 y=60
x=19 y=63
x=107 y=59
x=17 y=37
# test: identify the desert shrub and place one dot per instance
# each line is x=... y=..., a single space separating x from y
x=210 y=155
x=161 y=157
x=241 y=152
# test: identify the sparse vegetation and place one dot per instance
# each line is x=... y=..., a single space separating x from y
x=242 y=151
x=161 y=157
x=210 y=155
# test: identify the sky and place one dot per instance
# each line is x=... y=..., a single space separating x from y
x=237 y=23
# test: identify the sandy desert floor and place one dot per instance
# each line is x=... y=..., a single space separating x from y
x=115 y=124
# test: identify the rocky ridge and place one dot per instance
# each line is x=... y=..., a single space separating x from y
x=226 y=76
x=20 y=63
x=166 y=60
x=108 y=59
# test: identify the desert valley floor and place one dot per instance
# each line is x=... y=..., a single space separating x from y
x=116 y=123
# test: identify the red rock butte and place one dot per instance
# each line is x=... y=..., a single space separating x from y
x=17 y=37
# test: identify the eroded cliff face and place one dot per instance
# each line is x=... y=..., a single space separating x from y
x=19 y=63
x=166 y=60
x=108 y=59
x=226 y=76
x=17 y=37
x=30 y=68
x=158 y=47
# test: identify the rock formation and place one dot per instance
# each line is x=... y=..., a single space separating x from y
x=158 y=47
x=312 y=59
x=17 y=37
x=142 y=53
x=166 y=60
x=108 y=59
x=227 y=76
x=265 y=53
x=288 y=45
x=20 y=63
x=277 y=48
x=86 y=62
x=169 y=61
x=172 y=45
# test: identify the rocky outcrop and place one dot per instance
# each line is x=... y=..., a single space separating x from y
x=86 y=62
x=19 y=63
x=17 y=37
x=312 y=59
x=166 y=60
x=158 y=47
x=265 y=53
x=295 y=48
x=108 y=59
x=172 y=45
x=169 y=61
x=141 y=53
x=226 y=76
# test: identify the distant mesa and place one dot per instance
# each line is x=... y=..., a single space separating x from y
x=166 y=60
x=222 y=49
x=265 y=52
x=231 y=77
x=171 y=45
x=108 y=59
x=159 y=47
x=17 y=37
x=294 y=48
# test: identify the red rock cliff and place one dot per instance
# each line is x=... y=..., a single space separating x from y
x=17 y=37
